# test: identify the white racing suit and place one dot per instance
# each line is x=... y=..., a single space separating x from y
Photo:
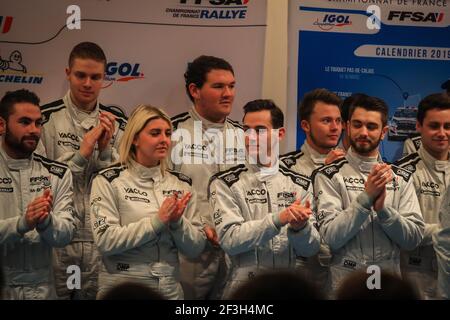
x=305 y=161
x=431 y=178
x=411 y=145
x=357 y=235
x=63 y=131
x=27 y=254
x=135 y=245
x=202 y=148
x=441 y=241
x=247 y=201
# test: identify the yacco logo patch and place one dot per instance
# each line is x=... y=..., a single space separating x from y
x=416 y=16
x=210 y=9
x=330 y=21
x=5 y=23
x=122 y=72
x=12 y=70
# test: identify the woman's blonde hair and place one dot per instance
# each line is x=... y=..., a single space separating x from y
x=137 y=121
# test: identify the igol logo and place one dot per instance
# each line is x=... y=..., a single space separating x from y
x=330 y=21
x=5 y=23
x=122 y=72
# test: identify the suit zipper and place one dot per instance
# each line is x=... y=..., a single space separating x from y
x=373 y=237
x=269 y=204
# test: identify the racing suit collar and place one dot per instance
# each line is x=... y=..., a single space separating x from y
x=431 y=162
x=364 y=164
x=264 y=173
x=86 y=120
x=206 y=124
x=14 y=164
x=145 y=173
x=316 y=157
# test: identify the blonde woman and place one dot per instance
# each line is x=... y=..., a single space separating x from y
x=141 y=212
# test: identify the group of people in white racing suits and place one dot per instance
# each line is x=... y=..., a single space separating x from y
x=195 y=205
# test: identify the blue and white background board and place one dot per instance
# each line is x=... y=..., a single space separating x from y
x=148 y=45
x=339 y=46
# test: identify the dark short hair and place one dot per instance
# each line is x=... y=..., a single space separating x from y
x=198 y=69
x=439 y=101
x=12 y=97
x=277 y=285
x=132 y=291
x=348 y=102
x=306 y=107
x=371 y=104
x=87 y=50
x=276 y=115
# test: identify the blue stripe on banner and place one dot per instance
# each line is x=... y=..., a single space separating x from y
x=333 y=10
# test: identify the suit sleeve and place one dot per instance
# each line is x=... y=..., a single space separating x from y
x=405 y=225
x=58 y=229
x=187 y=232
x=306 y=242
x=236 y=235
x=9 y=230
x=109 y=235
x=336 y=225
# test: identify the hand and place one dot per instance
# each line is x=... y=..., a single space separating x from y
x=334 y=155
x=379 y=201
x=180 y=206
x=47 y=194
x=39 y=209
x=211 y=235
x=107 y=121
x=302 y=216
x=89 y=140
x=296 y=214
x=286 y=215
x=166 y=209
x=378 y=177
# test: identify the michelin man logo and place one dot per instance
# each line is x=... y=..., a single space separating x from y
x=14 y=63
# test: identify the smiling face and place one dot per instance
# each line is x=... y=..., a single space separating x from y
x=153 y=142
x=22 y=130
x=435 y=132
x=85 y=78
x=214 y=100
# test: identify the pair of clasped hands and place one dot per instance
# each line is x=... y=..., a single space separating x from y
x=100 y=134
x=39 y=209
x=172 y=207
x=379 y=176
